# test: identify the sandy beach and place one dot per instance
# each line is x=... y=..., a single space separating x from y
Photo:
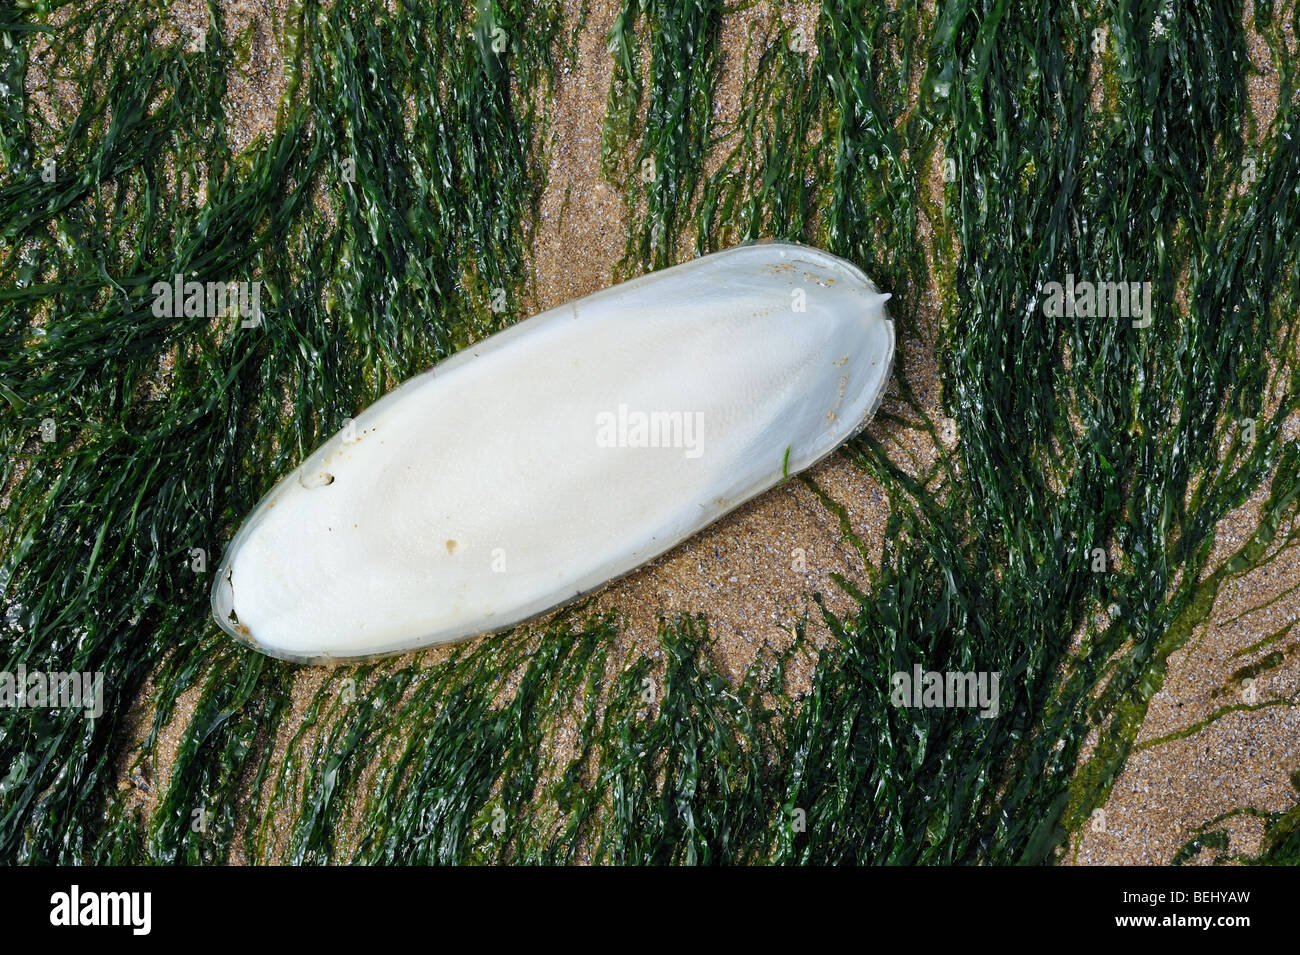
x=1213 y=739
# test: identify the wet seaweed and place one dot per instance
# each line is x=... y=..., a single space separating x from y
x=389 y=215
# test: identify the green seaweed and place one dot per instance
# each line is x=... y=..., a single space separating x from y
x=389 y=214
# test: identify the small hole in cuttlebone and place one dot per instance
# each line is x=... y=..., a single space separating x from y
x=319 y=479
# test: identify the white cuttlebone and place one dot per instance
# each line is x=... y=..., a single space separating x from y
x=483 y=492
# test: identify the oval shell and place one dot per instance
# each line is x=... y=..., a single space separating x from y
x=542 y=462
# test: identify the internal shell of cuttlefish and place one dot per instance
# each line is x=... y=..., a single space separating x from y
x=535 y=466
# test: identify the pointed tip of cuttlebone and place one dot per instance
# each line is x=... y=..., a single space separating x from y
x=879 y=298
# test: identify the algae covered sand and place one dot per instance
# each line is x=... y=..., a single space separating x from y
x=1100 y=509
